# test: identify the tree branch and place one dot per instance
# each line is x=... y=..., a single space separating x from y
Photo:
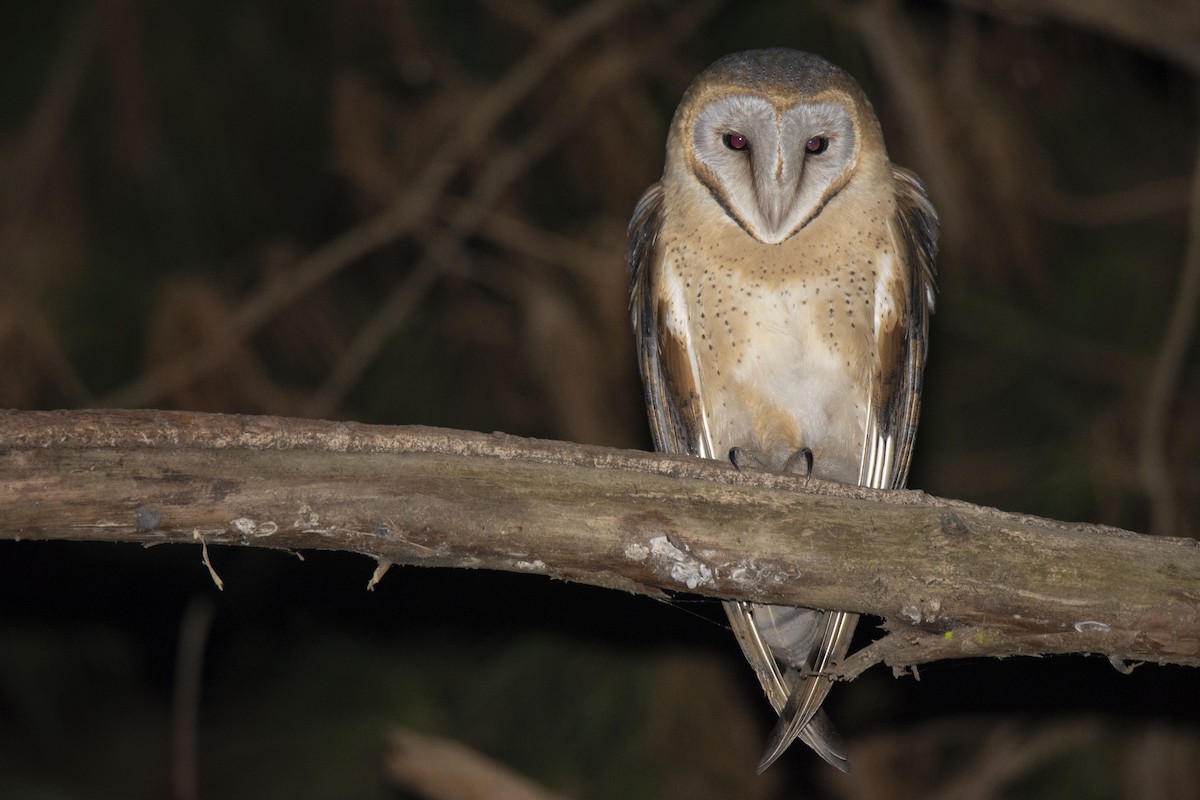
x=950 y=579
x=1159 y=26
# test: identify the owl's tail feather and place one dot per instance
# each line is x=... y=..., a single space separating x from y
x=796 y=697
x=817 y=731
x=820 y=735
x=808 y=692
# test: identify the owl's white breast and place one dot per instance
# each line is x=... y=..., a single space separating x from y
x=780 y=340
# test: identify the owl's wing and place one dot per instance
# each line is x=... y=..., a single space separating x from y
x=677 y=423
x=672 y=394
x=901 y=335
x=902 y=338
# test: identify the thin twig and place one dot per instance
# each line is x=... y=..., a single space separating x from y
x=900 y=64
x=539 y=244
x=185 y=709
x=446 y=251
x=1168 y=29
x=1119 y=207
x=1010 y=753
x=43 y=134
x=1153 y=464
x=408 y=213
x=441 y=769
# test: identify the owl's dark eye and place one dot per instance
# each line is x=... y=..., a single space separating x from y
x=816 y=145
x=735 y=141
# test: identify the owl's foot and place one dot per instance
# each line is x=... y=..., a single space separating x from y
x=743 y=457
x=803 y=455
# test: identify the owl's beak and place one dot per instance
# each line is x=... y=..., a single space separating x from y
x=775 y=206
x=775 y=195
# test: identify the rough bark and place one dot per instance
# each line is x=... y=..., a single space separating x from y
x=950 y=579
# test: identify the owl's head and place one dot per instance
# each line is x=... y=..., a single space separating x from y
x=773 y=135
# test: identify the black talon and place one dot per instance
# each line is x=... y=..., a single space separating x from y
x=794 y=459
x=742 y=457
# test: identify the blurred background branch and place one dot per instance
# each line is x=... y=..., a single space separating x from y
x=1162 y=27
x=1164 y=379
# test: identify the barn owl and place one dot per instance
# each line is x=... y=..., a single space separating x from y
x=782 y=281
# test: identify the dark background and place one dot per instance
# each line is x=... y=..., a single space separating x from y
x=172 y=176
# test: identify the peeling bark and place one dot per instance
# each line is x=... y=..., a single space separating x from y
x=950 y=579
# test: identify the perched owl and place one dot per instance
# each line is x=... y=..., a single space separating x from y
x=782 y=281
